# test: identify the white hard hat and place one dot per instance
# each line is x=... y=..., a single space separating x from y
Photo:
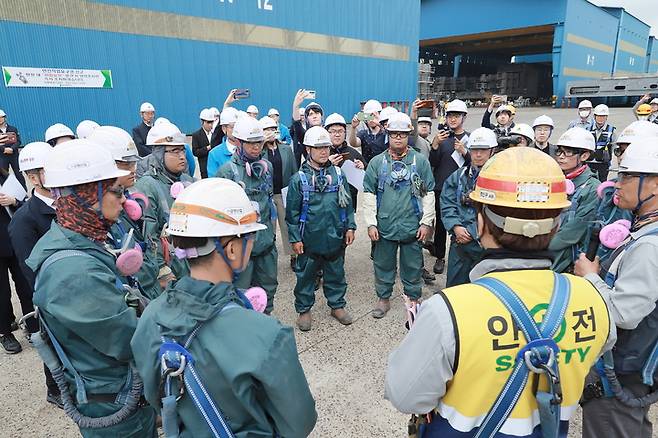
x=146 y=107
x=213 y=207
x=2 y=113
x=248 y=129
x=372 y=106
x=482 y=138
x=336 y=119
x=206 y=115
x=58 y=130
x=78 y=162
x=524 y=130
x=456 y=106
x=165 y=134
x=654 y=101
x=117 y=141
x=424 y=120
x=387 y=113
x=229 y=115
x=543 y=120
x=638 y=130
x=578 y=138
x=585 y=104
x=34 y=156
x=85 y=128
x=504 y=108
x=214 y=111
x=601 y=110
x=161 y=121
x=252 y=109
x=641 y=156
x=273 y=112
x=268 y=122
x=317 y=137
x=399 y=122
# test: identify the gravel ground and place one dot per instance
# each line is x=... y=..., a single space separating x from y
x=344 y=365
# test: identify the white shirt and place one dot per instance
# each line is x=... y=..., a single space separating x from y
x=46 y=200
x=231 y=148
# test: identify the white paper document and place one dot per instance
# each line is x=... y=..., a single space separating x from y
x=13 y=188
x=456 y=156
x=284 y=195
x=354 y=176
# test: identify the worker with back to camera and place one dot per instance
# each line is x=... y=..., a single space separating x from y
x=604 y=138
x=612 y=222
x=222 y=154
x=523 y=135
x=398 y=203
x=282 y=158
x=543 y=128
x=622 y=387
x=164 y=178
x=243 y=363
x=312 y=116
x=81 y=297
x=30 y=222
x=85 y=128
x=321 y=225
x=650 y=111
x=58 y=134
x=253 y=172
x=584 y=119
x=448 y=154
x=141 y=131
x=504 y=120
x=372 y=139
x=573 y=150
x=131 y=220
x=457 y=369
x=458 y=211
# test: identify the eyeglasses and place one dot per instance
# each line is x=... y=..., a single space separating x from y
x=398 y=134
x=336 y=131
x=117 y=191
x=625 y=177
x=567 y=152
x=208 y=121
x=543 y=129
x=177 y=151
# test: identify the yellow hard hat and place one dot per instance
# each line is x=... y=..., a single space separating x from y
x=523 y=178
x=512 y=108
x=644 y=109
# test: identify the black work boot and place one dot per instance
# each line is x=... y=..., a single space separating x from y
x=439 y=266
x=10 y=344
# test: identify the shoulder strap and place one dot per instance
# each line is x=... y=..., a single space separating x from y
x=537 y=356
x=306 y=199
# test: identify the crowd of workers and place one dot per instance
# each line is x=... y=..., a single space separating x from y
x=154 y=292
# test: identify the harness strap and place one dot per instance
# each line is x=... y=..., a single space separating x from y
x=538 y=355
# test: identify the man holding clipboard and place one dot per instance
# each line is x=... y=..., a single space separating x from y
x=10 y=141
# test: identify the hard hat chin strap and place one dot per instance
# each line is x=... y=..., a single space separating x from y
x=221 y=250
x=522 y=227
x=640 y=201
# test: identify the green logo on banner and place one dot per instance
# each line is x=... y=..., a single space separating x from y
x=7 y=76
x=107 y=74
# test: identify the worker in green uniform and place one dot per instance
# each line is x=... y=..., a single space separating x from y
x=122 y=147
x=321 y=224
x=166 y=167
x=458 y=212
x=81 y=297
x=573 y=150
x=253 y=172
x=246 y=363
x=399 y=211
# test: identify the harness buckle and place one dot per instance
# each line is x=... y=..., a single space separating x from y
x=554 y=384
x=534 y=354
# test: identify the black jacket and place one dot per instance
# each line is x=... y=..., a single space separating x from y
x=442 y=162
x=217 y=136
x=29 y=223
x=11 y=160
x=297 y=132
x=200 y=149
x=6 y=249
x=140 y=132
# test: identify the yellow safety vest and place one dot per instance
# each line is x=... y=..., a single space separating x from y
x=488 y=341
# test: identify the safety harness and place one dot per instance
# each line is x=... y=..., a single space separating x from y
x=400 y=176
x=322 y=184
x=177 y=364
x=261 y=170
x=538 y=356
x=54 y=357
x=605 y=367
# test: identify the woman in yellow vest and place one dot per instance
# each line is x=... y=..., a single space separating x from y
x=457 y=368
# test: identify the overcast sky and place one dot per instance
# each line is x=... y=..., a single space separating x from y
x=645 y=10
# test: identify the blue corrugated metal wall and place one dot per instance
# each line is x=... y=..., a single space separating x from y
x=632 y=42
x=181 y=76
x=652 y=56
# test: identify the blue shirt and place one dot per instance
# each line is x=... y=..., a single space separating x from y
x=285 y=134
x=217 y=157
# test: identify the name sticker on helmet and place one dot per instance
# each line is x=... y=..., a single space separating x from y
x=532 y=192
x=487 y=195
x=178 y=222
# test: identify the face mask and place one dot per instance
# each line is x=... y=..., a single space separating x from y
x=129 y=257
x=583 y=114
x=614 y=234
x=133 y=205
